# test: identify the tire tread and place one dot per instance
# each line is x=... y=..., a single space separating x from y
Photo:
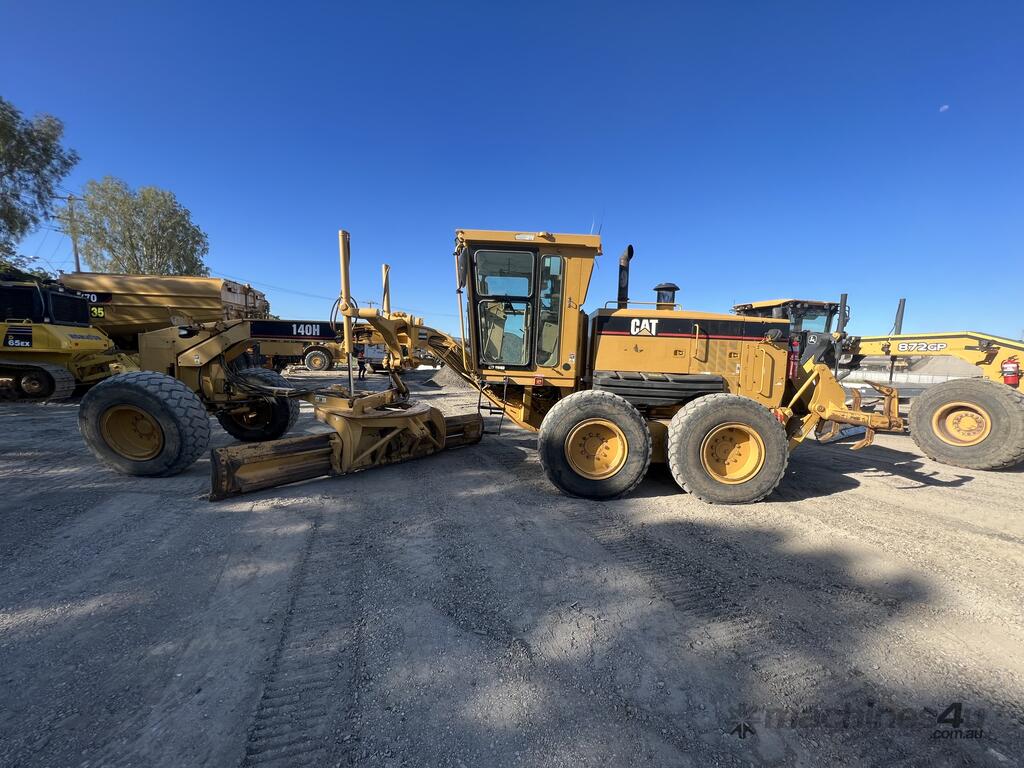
x=190 y=416
x=1009 y=454
x=579 y=402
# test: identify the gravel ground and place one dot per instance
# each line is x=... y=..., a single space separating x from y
x=458 y=611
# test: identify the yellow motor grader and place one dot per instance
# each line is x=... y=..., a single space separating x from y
x=994 y=357
x=721 y=398
x=49 y=346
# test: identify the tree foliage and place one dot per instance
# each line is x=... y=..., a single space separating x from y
x=144 y=232
x=32 y=165
x=16 y=267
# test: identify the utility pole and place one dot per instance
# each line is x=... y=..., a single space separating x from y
x=73 y=226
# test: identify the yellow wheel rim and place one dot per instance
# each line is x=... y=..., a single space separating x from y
x=317 y=363
x=596 y=449
x=132 y=432
x=732 y=453
x=961 y=424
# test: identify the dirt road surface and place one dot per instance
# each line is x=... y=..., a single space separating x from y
x=458 y=611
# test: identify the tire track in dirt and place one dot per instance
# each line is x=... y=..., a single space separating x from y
x=311 y=685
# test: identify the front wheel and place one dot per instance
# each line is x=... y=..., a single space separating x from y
x=264 y=419
x=144 y=423
x=971 y=423
x=727 y=449
x=595 y=445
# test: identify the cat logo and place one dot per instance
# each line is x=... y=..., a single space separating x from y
x=643 y=327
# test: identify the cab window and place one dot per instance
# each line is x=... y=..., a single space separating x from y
x=814 y=322
x=18 y=302
x=504 y=273
x=504 y=329
x=504 y=290
x=549 y=309
x=70 y=310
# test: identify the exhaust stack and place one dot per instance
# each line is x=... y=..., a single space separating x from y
x=624 y=259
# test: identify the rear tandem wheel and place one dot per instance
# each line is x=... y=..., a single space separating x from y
x=595 y=445
x=727 y=449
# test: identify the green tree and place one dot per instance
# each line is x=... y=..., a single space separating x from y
x=19 y=267
x=147 y=232
x=32 y=165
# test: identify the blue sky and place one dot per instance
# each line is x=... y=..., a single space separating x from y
x=748 y=150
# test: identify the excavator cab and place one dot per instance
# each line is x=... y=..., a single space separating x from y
x=803 y=314
x=37 y=302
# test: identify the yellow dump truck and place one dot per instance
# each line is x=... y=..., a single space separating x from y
x=124 y=306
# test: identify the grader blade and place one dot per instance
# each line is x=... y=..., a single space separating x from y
x=463 y=430
x=257 y=466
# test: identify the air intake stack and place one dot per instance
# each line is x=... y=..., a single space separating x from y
x=666 y=295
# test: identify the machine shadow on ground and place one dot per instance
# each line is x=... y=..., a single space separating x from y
x=814 y=470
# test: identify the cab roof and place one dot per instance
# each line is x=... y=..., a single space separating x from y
x=784 y=303
x=550 y=238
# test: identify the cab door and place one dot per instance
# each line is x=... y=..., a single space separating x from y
x=503 y=294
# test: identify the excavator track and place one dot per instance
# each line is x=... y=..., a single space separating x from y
x=61 y=378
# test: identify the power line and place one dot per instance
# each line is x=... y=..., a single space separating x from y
x=274 y=287
x=324 y=298
x=41 y=244
x=61 y=240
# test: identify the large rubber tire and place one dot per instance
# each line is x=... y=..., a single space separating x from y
x=1002 y=447
x=577 y=410
x=710 y=416
x=183 y=423
x=271 y=418
x=318 y=360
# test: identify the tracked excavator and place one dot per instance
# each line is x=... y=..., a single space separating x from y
x=49 y=346
x=721 y=398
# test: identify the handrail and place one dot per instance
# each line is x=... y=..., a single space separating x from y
x=675 y=305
